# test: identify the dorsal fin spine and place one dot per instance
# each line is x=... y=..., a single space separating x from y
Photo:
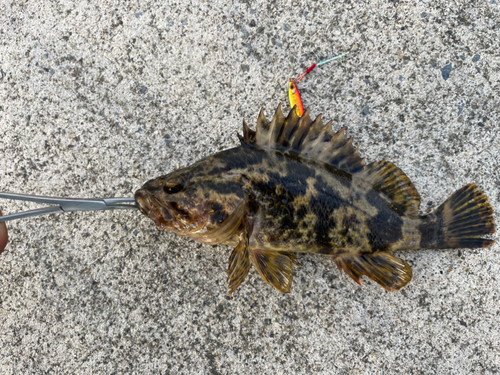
x=317 y=145
x=290 y=127
x=262 y=127
x=248 y=134
x=276 y=127
x=301 y=133
x=262 y=118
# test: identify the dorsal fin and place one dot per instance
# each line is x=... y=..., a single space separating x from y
x=318 y=141
x=303 y=136
x=392 y=182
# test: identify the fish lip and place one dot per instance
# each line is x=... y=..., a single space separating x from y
x=142 y=197
x=152 y=207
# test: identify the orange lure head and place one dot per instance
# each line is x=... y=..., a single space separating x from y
x=294 y=97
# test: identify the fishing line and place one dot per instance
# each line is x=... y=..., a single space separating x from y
x=322 y=62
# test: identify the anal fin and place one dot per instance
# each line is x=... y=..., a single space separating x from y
x=275 y=268
x=391 y=272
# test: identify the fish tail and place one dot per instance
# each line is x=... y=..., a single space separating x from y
x=460 y=222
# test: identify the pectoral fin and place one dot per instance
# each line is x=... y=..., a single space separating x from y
x=275 y=268
x=239 y=265
x=391 y=272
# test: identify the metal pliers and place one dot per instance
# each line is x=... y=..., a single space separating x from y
x=67 y=205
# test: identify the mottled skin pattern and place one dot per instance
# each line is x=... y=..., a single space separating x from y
x=295 y=186
x=307 y=206
x=303 y=206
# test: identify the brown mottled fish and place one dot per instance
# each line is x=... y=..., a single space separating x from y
x=295 y=186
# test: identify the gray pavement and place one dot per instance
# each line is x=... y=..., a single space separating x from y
x=97 y=97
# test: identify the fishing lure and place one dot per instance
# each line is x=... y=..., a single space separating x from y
x=295 y=186
x=294 y=98
x=293 y=90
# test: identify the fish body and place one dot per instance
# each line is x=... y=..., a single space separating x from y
x=296 y=186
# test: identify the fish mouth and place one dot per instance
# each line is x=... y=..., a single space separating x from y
x=159 y=212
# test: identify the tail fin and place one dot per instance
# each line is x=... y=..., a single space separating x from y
x=460 y=222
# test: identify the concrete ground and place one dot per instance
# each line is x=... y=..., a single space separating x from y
x=96 y=97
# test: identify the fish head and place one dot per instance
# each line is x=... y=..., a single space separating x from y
x=198 y=202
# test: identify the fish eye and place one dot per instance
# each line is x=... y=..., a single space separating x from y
x=172 y=187
x=291 y=86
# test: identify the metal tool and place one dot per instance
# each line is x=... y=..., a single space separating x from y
x=67 y=205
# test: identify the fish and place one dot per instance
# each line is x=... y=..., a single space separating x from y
x=294 y=98
x=293 y=186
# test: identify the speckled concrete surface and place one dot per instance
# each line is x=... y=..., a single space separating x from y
x=97 y=97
